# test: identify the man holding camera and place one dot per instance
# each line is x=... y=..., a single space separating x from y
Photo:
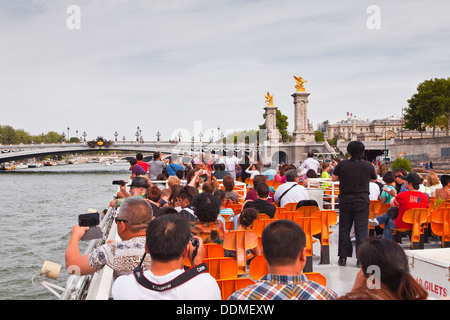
x=132 y=220
x=169 y=242
x=138 y=188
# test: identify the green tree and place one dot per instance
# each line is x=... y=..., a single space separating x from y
x=319 y=136
x=282 y=125
x=430 y=106
x=401 y=163
x=9 y=135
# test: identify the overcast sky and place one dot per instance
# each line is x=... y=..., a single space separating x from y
x=163 y=65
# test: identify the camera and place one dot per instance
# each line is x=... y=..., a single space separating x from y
x=120 y=182
x=195 y=244
x=89 y=219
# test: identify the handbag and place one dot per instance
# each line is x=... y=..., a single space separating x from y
x=392 y=212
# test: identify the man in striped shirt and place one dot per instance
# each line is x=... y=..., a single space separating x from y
x=283 y=246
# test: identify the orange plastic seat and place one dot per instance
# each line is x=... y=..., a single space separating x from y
x=230 y=286
x=229 y=225
x=236 y=207
x=311 y=226
x=327 y=219
x=440 y=225
x=307 y=210
x=259 y=226
x=291 y=206
x=276 y=184
x=316 y=277
x=279 y=210
x=213 y=250
x=222 y=267
x=290 y=215
x=241 y=241
x=258 y=267
x=226 y=216
x=374 y=207
x=417 y=217
x=262 y=216
x=445 y=204
x=383 y=209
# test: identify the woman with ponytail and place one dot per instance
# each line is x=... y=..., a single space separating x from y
x=384 y=266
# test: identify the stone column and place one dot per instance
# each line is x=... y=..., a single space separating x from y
x=302 y=130
x=273 y=135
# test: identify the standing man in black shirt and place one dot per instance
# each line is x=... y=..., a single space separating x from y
x=354 y=176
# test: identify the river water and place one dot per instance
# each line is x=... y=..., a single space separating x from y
x=38 y=209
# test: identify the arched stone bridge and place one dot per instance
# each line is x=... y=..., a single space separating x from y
x=25 y=151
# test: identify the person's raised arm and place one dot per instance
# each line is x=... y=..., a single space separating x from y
x=75 y=262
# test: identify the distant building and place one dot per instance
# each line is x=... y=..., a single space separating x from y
x=352 y=128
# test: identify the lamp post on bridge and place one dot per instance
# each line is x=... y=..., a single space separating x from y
x=158 y=135
x=115 y=135
x=84 y=136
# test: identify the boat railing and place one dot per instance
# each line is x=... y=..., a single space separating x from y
x=330 y=190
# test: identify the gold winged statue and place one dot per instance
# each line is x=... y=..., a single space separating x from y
x=299 y=86
x=269 y=99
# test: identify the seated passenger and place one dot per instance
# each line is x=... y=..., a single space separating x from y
x=285 y=280
x=261 y=204
x=185 y=195
x=412 y=198
x=245 y=222
x=132 y=221
x=168 y=243
x=252 y=194
x=136 y=169
x=393 y=266
x=228 y=183
x=207 y=208
x=290 y=191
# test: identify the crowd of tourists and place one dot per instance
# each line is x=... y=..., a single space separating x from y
x=163 y=224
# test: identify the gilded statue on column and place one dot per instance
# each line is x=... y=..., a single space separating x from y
x=269 y=99
x=299 y=86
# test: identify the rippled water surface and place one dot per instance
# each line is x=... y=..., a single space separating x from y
x=39 y=206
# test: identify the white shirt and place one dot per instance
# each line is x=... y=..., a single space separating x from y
x=201 y=287
x=311 y=163
x=374 y=191
x=252 y=173
x=230 y=163
x=296 y=194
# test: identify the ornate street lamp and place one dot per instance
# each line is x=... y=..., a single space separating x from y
x=123 y=138
x=115 y=135
x=84 y=136
x=158 y=135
